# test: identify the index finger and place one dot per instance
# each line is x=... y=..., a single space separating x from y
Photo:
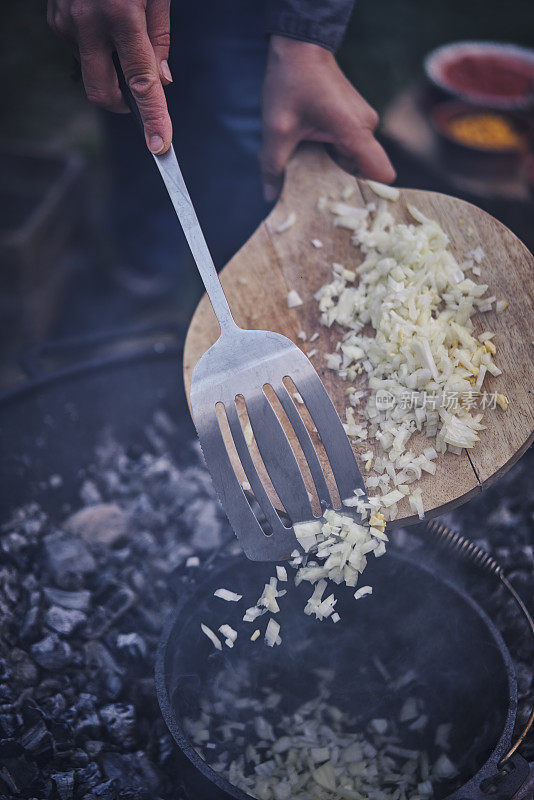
x=364 y=155
x=141 y=72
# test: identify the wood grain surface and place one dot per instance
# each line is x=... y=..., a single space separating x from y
x=259 y=276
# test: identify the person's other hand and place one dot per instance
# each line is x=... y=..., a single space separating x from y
x=306 y=97
x=139 y=30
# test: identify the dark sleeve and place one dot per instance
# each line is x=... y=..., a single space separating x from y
x=321 y=22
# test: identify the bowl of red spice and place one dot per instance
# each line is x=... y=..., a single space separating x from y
x=480 y=138
x=490 y=74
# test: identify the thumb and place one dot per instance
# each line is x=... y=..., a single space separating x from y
x=158 y=20
x=279 y=142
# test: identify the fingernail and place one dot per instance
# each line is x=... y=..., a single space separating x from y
x=156 y=144
x=165 y=71
x=270 y=192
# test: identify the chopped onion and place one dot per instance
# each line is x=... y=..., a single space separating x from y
x=271 y=633
x=211 y=636
x=287 y=223
x=293 y=299
x=226 y=594
x=383 y=190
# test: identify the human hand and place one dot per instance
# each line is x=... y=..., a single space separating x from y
x=306 y=97
x=139 y=30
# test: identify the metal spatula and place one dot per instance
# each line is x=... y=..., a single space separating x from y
x=240 y=364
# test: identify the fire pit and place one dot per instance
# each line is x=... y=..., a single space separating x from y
x=106 y=512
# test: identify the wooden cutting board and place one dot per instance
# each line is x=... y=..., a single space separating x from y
x=259 y=276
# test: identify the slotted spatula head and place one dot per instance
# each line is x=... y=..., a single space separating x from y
x=235 y=373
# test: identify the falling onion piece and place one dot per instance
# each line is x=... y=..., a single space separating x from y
x=271 y=633
x=211 y=636
x=226 y=594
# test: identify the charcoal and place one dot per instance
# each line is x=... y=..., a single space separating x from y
x=89 y=493
x=88 y=777
x=93 y=747
x=132 y=645
x=98 y=657
x=62 y=734
x=18 y=774
x=64 y=620
x=203 y=519
x=135 y=794
x=30 y=711
x=145 y=544
x=112 y=686
x=6 y=693
x=147 y=770
x=122 y=555
x=64 y=783
x=10 y=721
x=86 y=703
x=31 y=627
x=88 y=726
x=123 y=767
x=55 y=705
x=115 y=605
x=75 y=758
x=23 y=669
x=10 y=748
x=38 y=741
x=8 y=782
x=49 y=686
x=68 y=559
x=119 y=720
x=108 y=790
x=102 y=524
x=51 y=652
x=78 y=601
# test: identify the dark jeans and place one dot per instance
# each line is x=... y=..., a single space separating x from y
x=217 y=59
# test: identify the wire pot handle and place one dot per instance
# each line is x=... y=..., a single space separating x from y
x=470 y=551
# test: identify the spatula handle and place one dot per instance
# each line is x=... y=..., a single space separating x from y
x=185 y=211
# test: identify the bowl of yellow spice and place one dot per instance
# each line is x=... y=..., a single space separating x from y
x=481 y=138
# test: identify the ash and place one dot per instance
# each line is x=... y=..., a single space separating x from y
x=83 y=600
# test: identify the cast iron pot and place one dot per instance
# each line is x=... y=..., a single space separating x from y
x=415 y=619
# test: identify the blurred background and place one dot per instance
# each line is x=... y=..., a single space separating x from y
x=57 y=264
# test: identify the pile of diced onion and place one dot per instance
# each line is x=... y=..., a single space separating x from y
x=423 y=354
x=319 y=750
